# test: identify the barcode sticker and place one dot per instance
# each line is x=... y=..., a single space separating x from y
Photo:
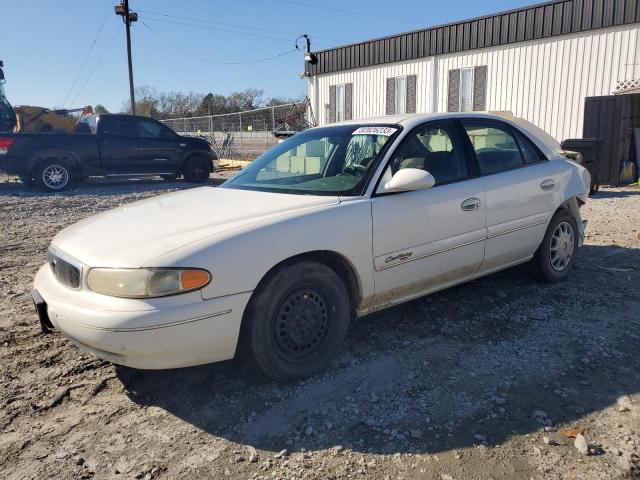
x=375 y=131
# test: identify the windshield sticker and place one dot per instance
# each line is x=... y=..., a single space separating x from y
x=375 y=131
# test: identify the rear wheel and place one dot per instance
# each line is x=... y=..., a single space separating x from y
x=556 y=255
x=196 y=170
x=297 y=321
x=53 y=176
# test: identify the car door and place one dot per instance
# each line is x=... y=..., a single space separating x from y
x=427 y=239
x=118 y=145
x=137 y=146
x=519 y=183
x=158 y=148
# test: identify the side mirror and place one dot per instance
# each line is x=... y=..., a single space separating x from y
x=408 y=179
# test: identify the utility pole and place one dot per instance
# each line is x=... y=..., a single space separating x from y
x=128 y=17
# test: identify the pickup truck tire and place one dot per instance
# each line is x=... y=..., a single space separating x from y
x=296 y=321
x=53 y=175
x=196 y=169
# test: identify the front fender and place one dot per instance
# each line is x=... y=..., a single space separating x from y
x=239 y=259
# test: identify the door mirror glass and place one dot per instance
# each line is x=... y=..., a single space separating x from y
x=408 y=179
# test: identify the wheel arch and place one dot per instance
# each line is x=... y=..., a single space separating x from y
x=334 y=260
x=66 y=157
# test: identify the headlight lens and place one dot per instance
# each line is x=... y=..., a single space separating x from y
x=146 y=282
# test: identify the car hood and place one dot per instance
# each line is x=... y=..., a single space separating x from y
x=134 y=234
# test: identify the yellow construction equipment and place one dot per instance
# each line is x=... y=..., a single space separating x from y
x=31 y=119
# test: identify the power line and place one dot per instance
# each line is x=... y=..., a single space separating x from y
x=206 y=27
x=344 y=10
x=222 y=62
x=95 y=67
x=84 y=61
x=215 y=22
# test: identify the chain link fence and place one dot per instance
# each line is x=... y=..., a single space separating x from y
x=243 y=135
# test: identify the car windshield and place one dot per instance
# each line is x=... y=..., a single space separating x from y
x=334 y=160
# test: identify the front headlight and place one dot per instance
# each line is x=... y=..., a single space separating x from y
x=146 y=282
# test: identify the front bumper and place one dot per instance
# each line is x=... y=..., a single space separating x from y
x=169 y=332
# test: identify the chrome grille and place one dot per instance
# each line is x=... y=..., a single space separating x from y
x=64 y=269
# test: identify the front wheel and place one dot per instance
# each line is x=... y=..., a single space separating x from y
x=557 y=253
x=53 y=176
x=297 y=321
x=196 y=170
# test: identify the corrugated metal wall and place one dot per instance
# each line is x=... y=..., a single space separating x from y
x=544 y=81
x=529 y=23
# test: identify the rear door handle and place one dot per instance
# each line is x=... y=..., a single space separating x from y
x=547 y=184
x=470 y=204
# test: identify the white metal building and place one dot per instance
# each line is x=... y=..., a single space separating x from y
x=537 y=62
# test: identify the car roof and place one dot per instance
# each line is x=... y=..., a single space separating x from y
x=409 y=121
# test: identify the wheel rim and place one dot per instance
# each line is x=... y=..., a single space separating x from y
x=562 y=246
x=55 y=176
x=300 y=323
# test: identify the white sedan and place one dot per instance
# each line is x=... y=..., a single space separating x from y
x=336 y=221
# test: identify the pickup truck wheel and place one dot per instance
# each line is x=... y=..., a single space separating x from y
x=196 y=170
x=297 y=321
x=555 y=256
x=53 y=176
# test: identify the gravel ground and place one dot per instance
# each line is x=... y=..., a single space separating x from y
x=479 y=381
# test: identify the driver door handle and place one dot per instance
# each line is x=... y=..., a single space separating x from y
x=470 y=204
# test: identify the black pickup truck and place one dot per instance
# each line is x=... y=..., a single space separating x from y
x=105 y=145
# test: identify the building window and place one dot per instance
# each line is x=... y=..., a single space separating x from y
x=466 y=90
x=340 y=103
x=401 y=95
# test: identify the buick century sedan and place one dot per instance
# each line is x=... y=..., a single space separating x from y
x=335 y=222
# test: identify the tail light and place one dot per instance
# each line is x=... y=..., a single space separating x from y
x=5 y=143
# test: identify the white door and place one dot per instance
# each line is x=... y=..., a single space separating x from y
x=519 y=184
x=424 y=240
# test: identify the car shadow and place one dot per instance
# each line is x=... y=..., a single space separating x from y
x=467 y=365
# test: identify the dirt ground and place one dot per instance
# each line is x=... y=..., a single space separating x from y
x=479 y=381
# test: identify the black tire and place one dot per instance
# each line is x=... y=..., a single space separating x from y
x=296 y=321
x=53 y=175
x=556 y=254
x=196 y=170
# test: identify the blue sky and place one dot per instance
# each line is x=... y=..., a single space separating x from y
x=176 y=42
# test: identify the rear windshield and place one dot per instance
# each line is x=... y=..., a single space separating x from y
x=335 y=160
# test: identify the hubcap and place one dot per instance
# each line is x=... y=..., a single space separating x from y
x=562 y=246
x=55 y=176
x=300 y=323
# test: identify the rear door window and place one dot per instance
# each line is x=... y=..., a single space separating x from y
x=495 y=146
x=120 y=126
